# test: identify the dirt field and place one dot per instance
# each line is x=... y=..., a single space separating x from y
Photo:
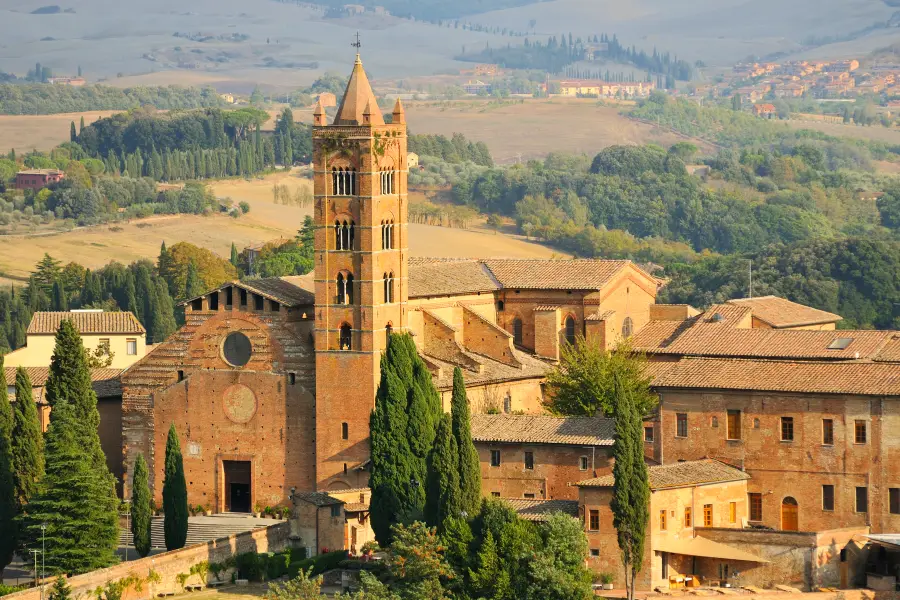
x=96 y=246
x=536 y=127
x=41 y=132
x=875 y=132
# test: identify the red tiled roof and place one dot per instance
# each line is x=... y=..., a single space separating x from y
x=856 y=378
x=680 y=474
x=780 y=312
x=543 y=429
x=86 y=322
x=532 y=509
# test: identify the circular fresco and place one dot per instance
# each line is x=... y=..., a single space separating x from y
x=239 y=403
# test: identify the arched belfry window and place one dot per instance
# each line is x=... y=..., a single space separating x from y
x=627 y=327
x=343 y=181
x=345 y=337
x=387 y=234
x=344 y=234
x=387 y=181
x=570 y=329
x=517 y=331
x=388 y=287
x=344 y=285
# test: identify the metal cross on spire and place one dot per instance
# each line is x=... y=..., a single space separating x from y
x=357 y=44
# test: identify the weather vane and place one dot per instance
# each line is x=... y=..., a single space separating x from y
x=357 y=44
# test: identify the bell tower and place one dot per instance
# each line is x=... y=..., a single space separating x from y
x=361 y=250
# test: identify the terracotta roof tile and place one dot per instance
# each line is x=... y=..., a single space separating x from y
x=317 y=498
x=449 y=277
x=543 y=429
x=574 y=274
x=724 y=313
x=601 y=316
x=291 y=291
x=780 y=312
x=106 y=383
x=86 y=322
x=492 y=371
x=680 y=474
x=532 y=509
x=862 y=378
x=890 y=352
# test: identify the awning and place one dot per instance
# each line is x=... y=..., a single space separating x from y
x=888 y=540
x=705 y=548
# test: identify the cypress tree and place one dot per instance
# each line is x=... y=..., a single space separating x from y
x=77 y=497
x=469 y=465
x=193 y=285
x=235 y=258
x=60 y=301
x=131 y=303
x=8 y=506
x=81 y=125
x=27 y=441
x=175 y=506
x=631 y=487
x=60 y=590
x=141 y=516
x=73 y=136
x=443 y=494
x=163 y=317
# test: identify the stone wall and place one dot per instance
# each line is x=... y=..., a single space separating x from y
x=170 y=564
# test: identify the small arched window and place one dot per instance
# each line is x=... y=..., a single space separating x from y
x=344 y=285
x=570 y=329
x=387 y=234
x=517 y=331
x=387 y=181
x=344 y=235
x=343 y=181
x=345 y=338
x=627 y=327
x=388 y=288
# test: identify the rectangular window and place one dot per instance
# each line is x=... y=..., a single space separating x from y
x=594 y=522
x=583 y=463
x=860 y=432
x=258 y=302
x=732 y=512
x=862 y=500
x=662 y=520
x=495 y=458
x=103 y=342
x=755 y=501
x=787 y=429
x=336 y=510
x=528 y=496
x=131 y=347
x=894 y=500
x=734 y=425
x=681 y=425
x=495 y=494
x=687 y=517
x=345 y=431
x=214 y=301
x=595 y=552
x=243 y=297
x=827 y=497
x=529 y=461
x=648 y=434
x=707 y=515
x=292 y=378
x=828 y=432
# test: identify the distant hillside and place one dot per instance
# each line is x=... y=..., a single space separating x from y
x=432 y=10
x=48 y=99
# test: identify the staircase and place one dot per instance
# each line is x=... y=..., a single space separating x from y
x=201 y=529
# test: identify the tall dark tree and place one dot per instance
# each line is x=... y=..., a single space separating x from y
x=407 y=409
x=60 y=299
x=235 y=257
x=77 y=498
x=163 y=318
x=81 y=125
x=469 y=465
x=27 y=441
x=73 y=135
x=8 y=507
x=141 y=515
x=631 y=487
x=165 y=265
x=175 y=506
x=442 y=500
x=193 y=284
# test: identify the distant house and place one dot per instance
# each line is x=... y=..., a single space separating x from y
x=486 y=70
x=73 y=81
x=476 y=86
x=412 y=160
x=766 y=111
x=701 y=171
x=604 y=89
x=35 y=179
x=228 y=98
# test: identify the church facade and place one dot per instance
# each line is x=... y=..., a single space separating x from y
x=270 y=383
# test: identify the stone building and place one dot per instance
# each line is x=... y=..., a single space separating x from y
x=270 y=383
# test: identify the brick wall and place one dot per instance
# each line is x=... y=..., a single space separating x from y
x=555 y=467
x=169 y=564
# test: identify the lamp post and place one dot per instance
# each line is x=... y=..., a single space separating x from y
x=36 y=552
x=43 y=553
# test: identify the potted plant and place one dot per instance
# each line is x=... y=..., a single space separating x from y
x=606 y=580
x=268 y=512
x=207 y=510
x=285 y=513
x=257 y=510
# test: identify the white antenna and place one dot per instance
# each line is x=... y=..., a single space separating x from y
x=751 y=277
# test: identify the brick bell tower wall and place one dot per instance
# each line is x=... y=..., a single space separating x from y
x=361 y=257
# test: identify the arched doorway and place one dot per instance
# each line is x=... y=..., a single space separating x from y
x=789 y=515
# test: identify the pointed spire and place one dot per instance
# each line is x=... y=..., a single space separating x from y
x=357 y=98
x=367 y=113
x=319 y=113
x=399 y=114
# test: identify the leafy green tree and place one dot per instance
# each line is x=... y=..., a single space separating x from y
x=489 y=579
x=60 y=590
x=457 y=538
x=27 y=441
x=193 y=286
x=141 y=514
x=175 y=506
x=558 y=570
x=8 y=504
x=443 y=494
x=403 y=425
x=631 y=488
x=46 y=272
x=469 y=464
x=416 y=562
x=584 y=381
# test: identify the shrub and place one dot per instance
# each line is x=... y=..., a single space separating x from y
x=249 y=566
x=317 y=564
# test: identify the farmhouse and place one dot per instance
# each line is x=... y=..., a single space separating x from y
x=35 y=179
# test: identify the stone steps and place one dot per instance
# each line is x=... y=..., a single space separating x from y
x=201 y=529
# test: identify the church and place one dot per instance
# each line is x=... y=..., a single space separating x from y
x=270 y=382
